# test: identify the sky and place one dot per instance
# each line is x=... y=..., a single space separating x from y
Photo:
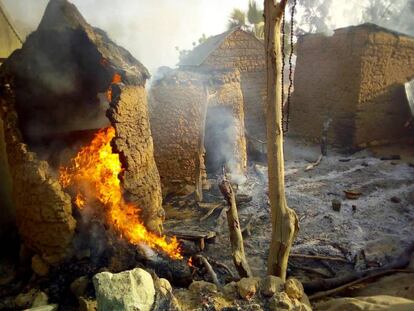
x=152 y=29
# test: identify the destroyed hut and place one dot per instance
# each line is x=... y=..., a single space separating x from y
x=357 y=82
x=69 y=85
x=205 y=112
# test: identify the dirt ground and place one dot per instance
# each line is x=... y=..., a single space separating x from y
x=370 y=234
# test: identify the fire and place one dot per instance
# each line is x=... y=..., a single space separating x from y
x=93 y=174
x=115 y=79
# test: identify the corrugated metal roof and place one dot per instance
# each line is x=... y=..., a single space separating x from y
x=200 y=53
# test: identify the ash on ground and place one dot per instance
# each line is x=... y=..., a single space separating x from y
x=367 y=232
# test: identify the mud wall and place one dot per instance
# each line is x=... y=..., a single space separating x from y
x=43 y=210
x=177 y=106
x=387 y=63
x=244 y=52
x=228 y=93
x=327 y=79
x=7 y=217
x=353 y=78
x=141 y=182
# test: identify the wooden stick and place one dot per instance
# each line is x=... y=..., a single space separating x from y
x=315 y=164
x=307 y=269
x=210 y=270
x=327 y=284
x=236 y=237
x=211 y=211
x=363 y=279
x=222 y=265
x=318 y=257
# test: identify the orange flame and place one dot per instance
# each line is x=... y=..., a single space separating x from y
x=93 y=173
x=115 y=80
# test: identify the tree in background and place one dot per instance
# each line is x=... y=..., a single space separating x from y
x=394 y=14
x=315 y=16
x=284 y=220
x=237 y=18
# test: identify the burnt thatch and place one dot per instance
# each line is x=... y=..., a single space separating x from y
x=59 y=71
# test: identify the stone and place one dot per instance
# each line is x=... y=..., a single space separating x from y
x=78 y=287
x=395 y=200
x=230 y=289
x=165 y=286
x=336 y=205
x=39 y=266
x=129 y=290
x=294 y=289
x=87 y=304
x=271 y=285
x=41 y=299
x=44 y=308
x=202 y=286
x=280 y=301
x=247 y=287
x=25 y=300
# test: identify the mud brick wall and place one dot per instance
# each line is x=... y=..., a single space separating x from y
x=353 y=78
x=387 y=63
x=141 y=182
x=244 y=52
x=7 y=217
x=228 y=93
x=327 y=79
x=43 y=210
x=176 y=113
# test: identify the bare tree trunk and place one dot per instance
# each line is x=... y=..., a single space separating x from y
x=284 y=220
x=236 y=237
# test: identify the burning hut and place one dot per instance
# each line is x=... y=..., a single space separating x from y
x=197 y=122
x=78 y=140
x=358 y=77
x=10 y=40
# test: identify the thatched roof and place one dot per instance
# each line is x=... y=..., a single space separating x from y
x=200 y=53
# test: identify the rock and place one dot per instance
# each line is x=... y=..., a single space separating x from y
x=25 y=300
x=41 y=299
x=44 y=308
x=79 y=286
x=336 y=205
x=202 y=286
x=271 y=285
x=230 y=289
x=294 y=289
x=395 y=200
x=247 y=287
x=39 y=266
x=280 y=301
x=87 y=304
x=165 y=286
x=129 y=290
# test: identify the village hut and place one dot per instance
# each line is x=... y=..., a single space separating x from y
x=197 y=123
x=10 y=40
x=214 y=101
x=353 y=80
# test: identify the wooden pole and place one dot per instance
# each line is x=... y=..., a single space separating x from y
x=284 y=220
x=236 y=237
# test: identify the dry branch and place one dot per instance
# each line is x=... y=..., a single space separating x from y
x=314 y=164
x=236 y=238
x=318 y=257
x=363 y=279
x=328 y=284
x=210 y=270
